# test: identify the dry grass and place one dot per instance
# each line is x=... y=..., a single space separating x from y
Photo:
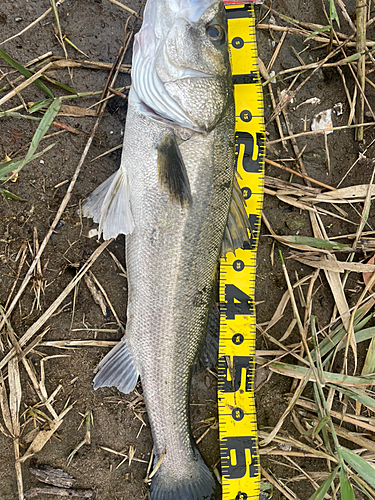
x=321 y=345
x=321 y=426
x=13 y=353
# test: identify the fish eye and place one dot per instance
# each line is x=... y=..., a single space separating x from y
x=216 y=34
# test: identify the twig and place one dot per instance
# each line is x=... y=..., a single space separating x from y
x=62 y=492
x=128 y=9
x=302 y=84
x=364 y=422
x=24 y=84
x=328 y=129
x=52 y=308
x=361 y=68
x=294 y=172
x=277 y=485
x=93 y=277
x=72 y=63
x=293 y=139
x=266 y=76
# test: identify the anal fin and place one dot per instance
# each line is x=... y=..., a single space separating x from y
x=172 y=171
x=117 y=370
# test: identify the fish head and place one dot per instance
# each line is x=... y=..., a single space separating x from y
x=181 y=67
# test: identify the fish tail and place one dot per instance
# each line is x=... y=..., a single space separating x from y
x=109 y=205
x=117 y=370
x=198 y=484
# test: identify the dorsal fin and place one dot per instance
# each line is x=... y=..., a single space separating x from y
x=236 y=231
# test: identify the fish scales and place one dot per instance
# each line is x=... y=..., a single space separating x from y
x=171 y=260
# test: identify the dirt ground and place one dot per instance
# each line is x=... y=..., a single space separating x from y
x=96 y=27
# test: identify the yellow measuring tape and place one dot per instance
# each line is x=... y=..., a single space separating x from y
x=236 y=364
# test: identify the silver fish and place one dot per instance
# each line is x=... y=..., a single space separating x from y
x=172 y=197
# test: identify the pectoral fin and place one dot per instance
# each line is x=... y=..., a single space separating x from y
x=236 y=231
x=109 y=205
x=173 y=177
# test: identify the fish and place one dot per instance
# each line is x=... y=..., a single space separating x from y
x=177 y=200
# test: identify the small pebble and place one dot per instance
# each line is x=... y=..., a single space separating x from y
x=285 y=447
x=92 y=233
x=18 y=19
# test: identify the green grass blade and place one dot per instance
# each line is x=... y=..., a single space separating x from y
x=55 y=14
x=39 y=105
x=363 y=321
x=317 y=350
x=360 y=465
x=361 y=336
x=323 y=418
x=74 y=46
x=10 y=195
x=321 y=424
x=42 y=129
x=267 y=487
x=333 y=13
x=323 y=489
x=25 y=72
x=317 y=32
x=14 y=114
x=364 y=487
x=330 y=343
x=9 y=166
x=59 y=84
x=356 y=394
x=369 y=366
x=315 y=243
x=346 y=488
x=352 y=58
x=61 y=38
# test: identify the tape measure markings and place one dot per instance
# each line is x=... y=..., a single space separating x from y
x=236 y=364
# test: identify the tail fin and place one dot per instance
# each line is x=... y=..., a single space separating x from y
x=199 y=484
x=117 y=370
x=109 y=205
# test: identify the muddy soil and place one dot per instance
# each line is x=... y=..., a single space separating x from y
x=97 y=28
